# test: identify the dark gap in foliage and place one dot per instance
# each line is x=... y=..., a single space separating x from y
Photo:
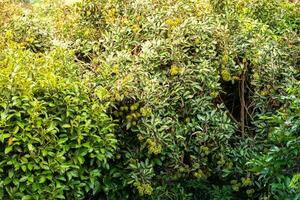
x=249 y=92
x=199 y=189
x=36 y=48
x=230 y=97
x=236 y=97
x=164 y=66
x=83 y=57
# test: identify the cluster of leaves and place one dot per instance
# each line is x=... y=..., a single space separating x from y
x=55 y=137
x=279 y=163
x=179 y=99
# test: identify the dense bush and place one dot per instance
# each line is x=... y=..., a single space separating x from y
x=55 y=138
x=279 y=163
x=150 y=100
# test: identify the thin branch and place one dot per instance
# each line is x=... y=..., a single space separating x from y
x=230 y=115
x=242 y=102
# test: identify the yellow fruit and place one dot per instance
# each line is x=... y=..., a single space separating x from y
x=256 y=76
x=175 y=70
x=199 y=174
x=246 y=181
x=236 y=187
x=154 y=148
x=140 y=189
x=132 y=108
x=205 y=150
x=129 y=117
x=187 y=120
x=214 y=94
x=150 y=142
x=225 y=59
x=148 y=189
x=138 y=115
x=264 y=92
x=143 y=111
x=172 y=23
x=226 y=75
x=135 y=28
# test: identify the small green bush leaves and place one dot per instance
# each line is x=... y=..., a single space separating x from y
x=149 y=99
x=54 y=135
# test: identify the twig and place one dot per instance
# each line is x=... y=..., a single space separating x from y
x=230 y=115
x=242 y=102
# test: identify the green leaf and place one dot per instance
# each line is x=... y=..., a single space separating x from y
x=8 y=149
x=42 y=179
x=157 y=161
x=62 y=140
x=29 y=166
x=7 y=181
x=23 y=179
x=23 y=167
x=21 y=124
x=27 y=197
x=80 y=159
x=4 y=136
x=102 y=93
x=10 y=173
x=60 y=196
x=24 y=159
x=30 y=147
x=66 y=126
x=16 y=130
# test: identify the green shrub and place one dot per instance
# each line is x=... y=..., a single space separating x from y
x=185 y=64
x=55 y=138
x=279 y=162
x=151 y=100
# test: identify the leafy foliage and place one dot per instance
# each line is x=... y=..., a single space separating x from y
x=150 y=100
x=55 y=138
